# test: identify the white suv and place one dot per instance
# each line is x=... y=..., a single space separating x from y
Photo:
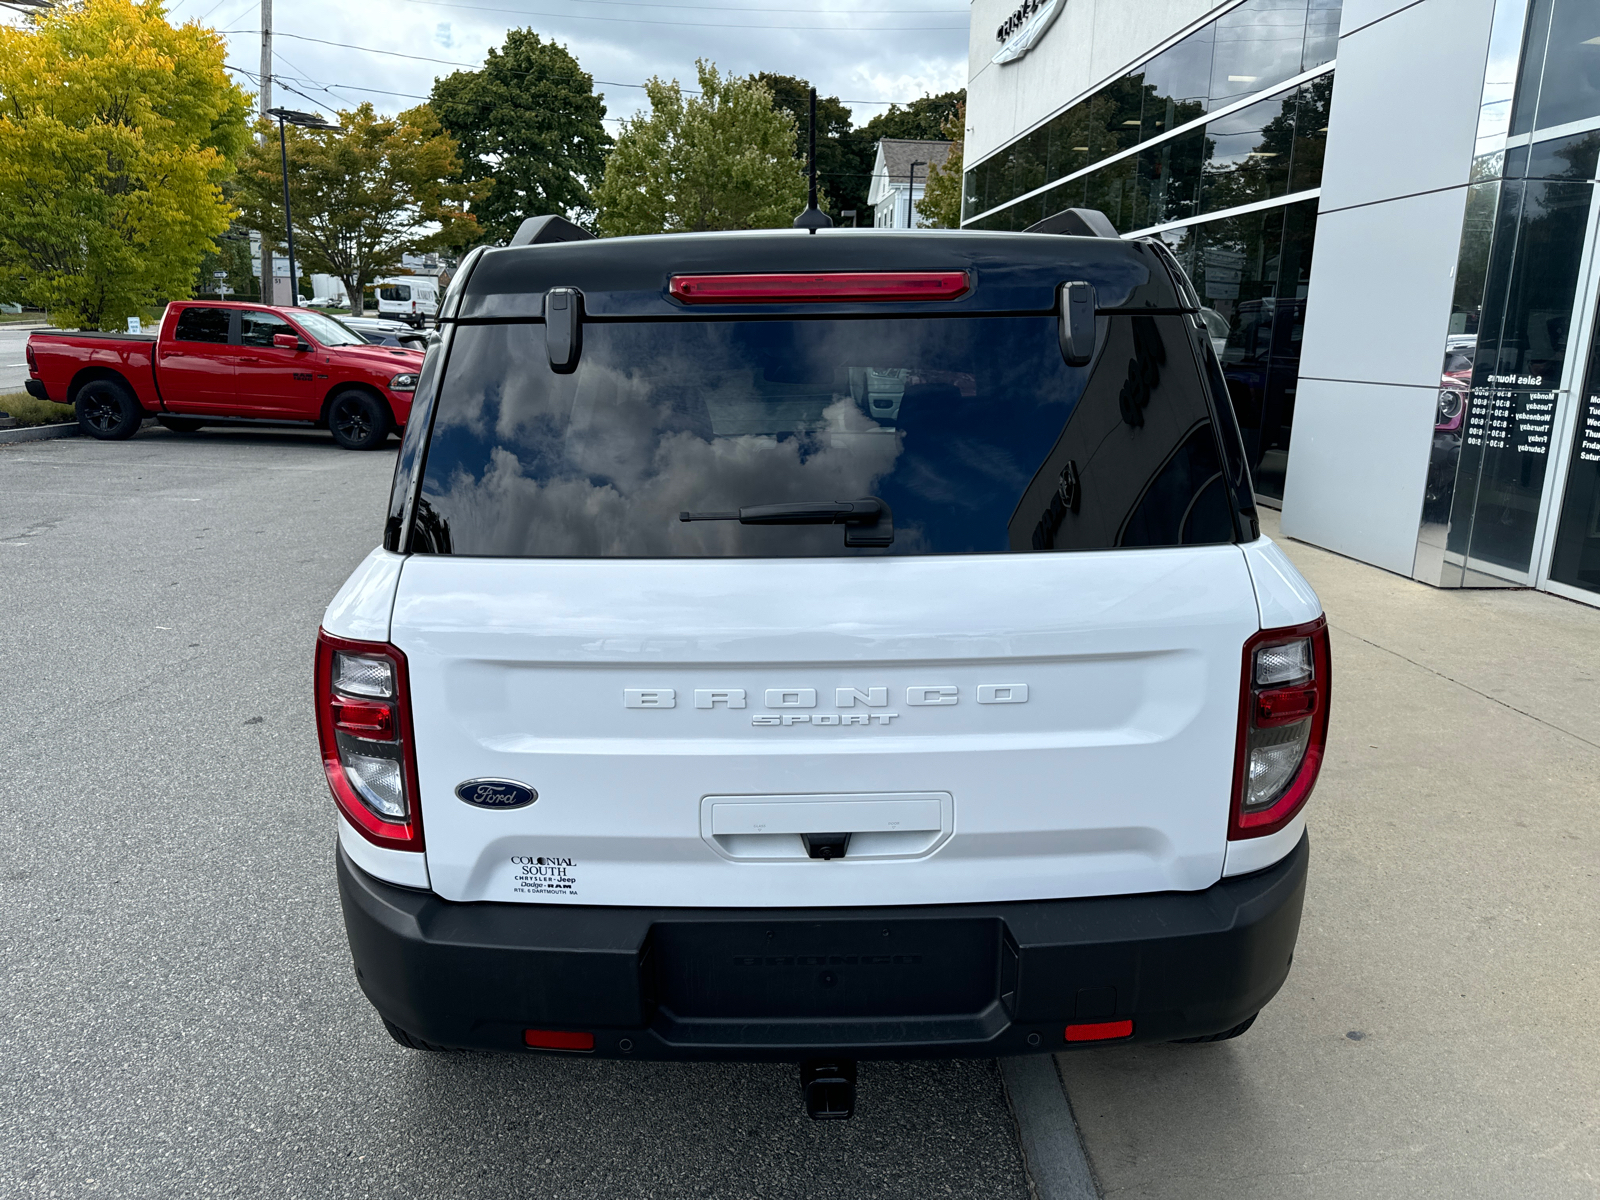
x=818 y=647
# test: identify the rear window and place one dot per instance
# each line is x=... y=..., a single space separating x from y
x=972 y=433
x=394 y=292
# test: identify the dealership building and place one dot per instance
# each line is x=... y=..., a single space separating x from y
x=1389 y=210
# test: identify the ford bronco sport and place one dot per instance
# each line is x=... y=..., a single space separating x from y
x=819 y=646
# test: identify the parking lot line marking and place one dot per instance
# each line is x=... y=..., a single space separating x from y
x=1052 y=1149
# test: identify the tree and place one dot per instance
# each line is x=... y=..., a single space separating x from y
x=940 y=206
x=720 y=160
x=362 y=197
x=116 y=131
x=844 y=155
x=922 y=119
x=528 y=128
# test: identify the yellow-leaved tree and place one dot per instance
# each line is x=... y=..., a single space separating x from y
x=116 y=130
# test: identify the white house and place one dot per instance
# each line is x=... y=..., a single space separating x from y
x=898 y=177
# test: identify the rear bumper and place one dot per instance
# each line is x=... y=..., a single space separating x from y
x=916 y=982
x=35 y=388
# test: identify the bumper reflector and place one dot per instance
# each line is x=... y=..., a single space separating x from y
x=1100 y=1031
x=558 y=1039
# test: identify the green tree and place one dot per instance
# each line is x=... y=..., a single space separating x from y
x=116 y=131
x=940 y=206
x=379 y=188
x=528 y=128
x=720 y=160
x=922 y=119
x=844 y=155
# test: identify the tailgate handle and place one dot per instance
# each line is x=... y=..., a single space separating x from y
x=1076 y=328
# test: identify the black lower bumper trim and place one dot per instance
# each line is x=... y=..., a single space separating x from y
x=911 y=982
x=35 y=388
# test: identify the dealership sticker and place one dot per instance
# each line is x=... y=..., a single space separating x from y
x=543 y=875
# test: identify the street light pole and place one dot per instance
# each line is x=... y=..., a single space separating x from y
x=288 y=221
x=306 y=121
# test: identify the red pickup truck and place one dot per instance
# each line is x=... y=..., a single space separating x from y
x=217 y=362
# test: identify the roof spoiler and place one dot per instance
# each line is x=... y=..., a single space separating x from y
x=1074 y=222
x=536 y=231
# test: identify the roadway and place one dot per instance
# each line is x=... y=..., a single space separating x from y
x=178 y=1015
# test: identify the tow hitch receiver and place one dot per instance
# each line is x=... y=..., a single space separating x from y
x=829 y=1087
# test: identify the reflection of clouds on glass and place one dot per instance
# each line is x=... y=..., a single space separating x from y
x=624 y=480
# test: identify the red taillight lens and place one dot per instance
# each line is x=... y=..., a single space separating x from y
x=363 y=698
x=557 y=1039
x=1284 y=705
x=1099 y=1031
x=32 y=359
x=1283 y=726
x=363 y=718
x=840 y=286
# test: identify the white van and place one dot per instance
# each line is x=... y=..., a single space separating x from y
x=410 y=298
x=814 y=648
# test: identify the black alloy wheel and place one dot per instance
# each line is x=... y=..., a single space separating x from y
x=107 y=410
x=358 y=420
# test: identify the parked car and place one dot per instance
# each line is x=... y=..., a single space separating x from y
x=386 y=333
x=865 y=648
x=411 y=298
x=212 y=362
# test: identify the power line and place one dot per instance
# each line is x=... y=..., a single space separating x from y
x=448 y=62
x=885 y=12
x=812 y=28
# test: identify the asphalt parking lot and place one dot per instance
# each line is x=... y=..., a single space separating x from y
x=177 y=1012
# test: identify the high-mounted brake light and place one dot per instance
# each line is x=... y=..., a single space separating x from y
x=840 y=286
x=1283 y=726
x=363 y=699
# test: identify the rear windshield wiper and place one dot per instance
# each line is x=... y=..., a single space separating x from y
x=866 y=522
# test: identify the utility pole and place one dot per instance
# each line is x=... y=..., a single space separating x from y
x=266 y=103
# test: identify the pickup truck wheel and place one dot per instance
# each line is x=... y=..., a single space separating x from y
x=107 y=410
x=1225 y=1035
x=358 y=421
x=409 y=1042
x=180 y=424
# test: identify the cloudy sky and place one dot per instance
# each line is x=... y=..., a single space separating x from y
x=868 y=52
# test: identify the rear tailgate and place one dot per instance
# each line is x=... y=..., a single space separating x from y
x=986 y=727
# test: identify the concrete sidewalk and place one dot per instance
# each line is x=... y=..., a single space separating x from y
x=1437 y=1036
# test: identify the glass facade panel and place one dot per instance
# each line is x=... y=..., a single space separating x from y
x=1322 y=33
x=1242 y=53
x=1248 y=154
x=1576 y=560
x=1569 y=80
x=1258 y=44
x=1492 y=444
x=1252 y=273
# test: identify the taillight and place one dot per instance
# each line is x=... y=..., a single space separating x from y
x=841 y=286
x=368 y=749
x=33 y=360
x=1283 y=726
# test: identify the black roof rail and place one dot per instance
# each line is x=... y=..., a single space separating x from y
x=1076 y=222
x=537 y=231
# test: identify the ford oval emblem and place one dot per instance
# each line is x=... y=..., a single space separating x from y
x=496 y=793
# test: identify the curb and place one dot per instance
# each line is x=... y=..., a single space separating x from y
x=39 y=433
x=1052 y=1150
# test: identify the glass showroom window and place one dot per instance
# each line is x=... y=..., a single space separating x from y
x=1245 y=52
x=1507 y=381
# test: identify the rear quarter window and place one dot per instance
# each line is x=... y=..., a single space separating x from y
x=972 y=430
